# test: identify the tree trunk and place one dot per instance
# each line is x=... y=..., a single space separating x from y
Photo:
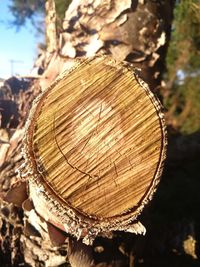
x=135 y=31
x=94 y=149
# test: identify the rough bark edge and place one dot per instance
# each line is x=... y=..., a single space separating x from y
x=74 y=222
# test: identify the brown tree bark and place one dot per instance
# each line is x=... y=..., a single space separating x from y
x=135 y=31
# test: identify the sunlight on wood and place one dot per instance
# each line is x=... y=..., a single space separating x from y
x=97 y=139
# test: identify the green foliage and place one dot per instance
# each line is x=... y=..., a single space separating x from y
x=191 y=95
x=23 y=10
x=61 y=7
x=183 y=100
x=185 y=43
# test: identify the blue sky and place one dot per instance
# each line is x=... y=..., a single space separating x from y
x=16 y=45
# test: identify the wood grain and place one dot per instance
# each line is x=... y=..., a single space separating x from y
x=96 y=139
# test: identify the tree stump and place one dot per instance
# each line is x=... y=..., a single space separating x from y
x=94 y=149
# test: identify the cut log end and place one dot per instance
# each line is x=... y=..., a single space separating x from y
x=95 y=142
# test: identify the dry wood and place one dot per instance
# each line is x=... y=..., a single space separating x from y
x=95 y=145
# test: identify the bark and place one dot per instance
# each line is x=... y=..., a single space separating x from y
x=136 y=31
x=51 y=33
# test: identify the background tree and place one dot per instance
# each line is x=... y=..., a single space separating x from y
x=183 y=61
x=29 y=10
